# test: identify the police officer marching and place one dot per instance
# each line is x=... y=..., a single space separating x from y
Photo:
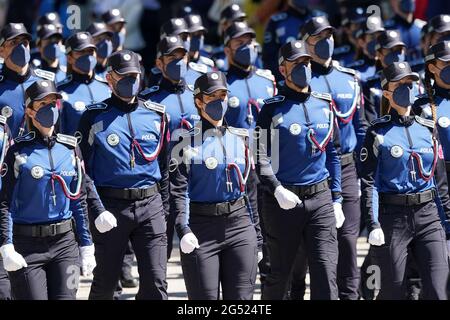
x=82 y=86
x=43 y=194
x=343 y=86
x=124 y=144
x=196 y=41
x=16 y=75
x=295 y=165
x=102 y=38
x=212 y=163
x=117 y=25
x=173 y=92
x=404 y=187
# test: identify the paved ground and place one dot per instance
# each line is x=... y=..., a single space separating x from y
x=175 y=280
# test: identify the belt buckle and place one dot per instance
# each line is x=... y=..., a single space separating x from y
x=52 y=230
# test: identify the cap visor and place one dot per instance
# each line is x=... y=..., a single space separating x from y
x=116 y=20
x=444 y=58
x=444 y=28
x=237 y=35
x=52 y=33
x=390 y=45
x=298 y=55
x=107 y=32
x=333 y=29
x=196 y=29
x=85 y=46
x=169 y=51
x=46 y=94
x=371 y=31
x=127 y=70
x=414 y=76
x=215 y=88
x=21 y=34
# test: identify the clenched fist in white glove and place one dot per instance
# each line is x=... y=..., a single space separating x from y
x=88 y=262
x=339 y=214
x=376 y=237
x=260 y=256
x=105 y=222
x=12 y=260
x=286 y=199
x=188 y=243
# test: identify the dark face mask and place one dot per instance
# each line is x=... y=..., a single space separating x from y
x=216 y=109
x=324 y=48
x=403 y=95
x=104 y=48
x=20 y=55
x=187 y=44
x=301 y=75
x=176 y=69
x=86 y=63
x=371 y=47
x=128 y=87
x=51 y=51
x=196 y=43
x=47 y=116
x=444 y=75
x=118 y=40
x=408 y=6
x=394 y=56
x=245 y=55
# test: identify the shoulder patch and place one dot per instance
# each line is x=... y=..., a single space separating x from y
x=323 y=96
x=28 y=137
x=148 y=91
x=425 y=122
x=265 y=73
x=342 y=50
x=274 y=99
x=97 y=106
x=2 y=120
x=98 y=78
x=343 y=69
x=198 y=67
x=279 y=16
x=67 y=80
x=66 y=139
x=357 y=63
x=239 y=131
x=155 y=70
x=207 y=61
x=48 y=75
x=384 y=119
x=155 y=106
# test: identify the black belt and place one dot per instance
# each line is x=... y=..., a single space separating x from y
x=128 y=194
x=216 y=209
x=408 y=199
x=347 y=159
x=447 y=166
x=303 y=191
x=43 y=230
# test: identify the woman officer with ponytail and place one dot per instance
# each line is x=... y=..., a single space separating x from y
x=43 y=189
x=401 y=189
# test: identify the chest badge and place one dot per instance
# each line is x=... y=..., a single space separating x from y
x=37 y=172
x=79 y=106
x=211 y=163
x=444 y=122
x=295 y=129
x=7 y=111
x=113 y=139
x=396 y=151
x=233 y=102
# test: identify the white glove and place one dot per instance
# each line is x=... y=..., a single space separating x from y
x=12 y=260
x=188 y=243
x=339 y=214
x=376 y=237
x=88 y=262
x=105 y=222
x=260 y=256
x=286 y=199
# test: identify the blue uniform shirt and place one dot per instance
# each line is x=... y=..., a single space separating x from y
x=303 y=126
x=247 y=93
x=12 y=96
x=41 y=174
x=343 y=86
x=60 y=71
x=78 y=91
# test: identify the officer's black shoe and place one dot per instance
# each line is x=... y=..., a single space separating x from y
x=129 y=283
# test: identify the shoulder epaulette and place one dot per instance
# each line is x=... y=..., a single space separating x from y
x=27 y=137
x=425 y=122
x=36 y=62
x=342 y=50
x=239 y=131
x=274 y=99
x=67 y=80
x=155 y=106
x=323 y=96
x=48 y=75
x=148 y=91
x=357 y=63
x=2 y=120
x=198 y=67
x=98 y=78
x=66 y=139
x=207 y=61
x=265 y=73
x=384 y=119
x=343 y=69
x=279 y=16
x=97 y=106
x=155 y=70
